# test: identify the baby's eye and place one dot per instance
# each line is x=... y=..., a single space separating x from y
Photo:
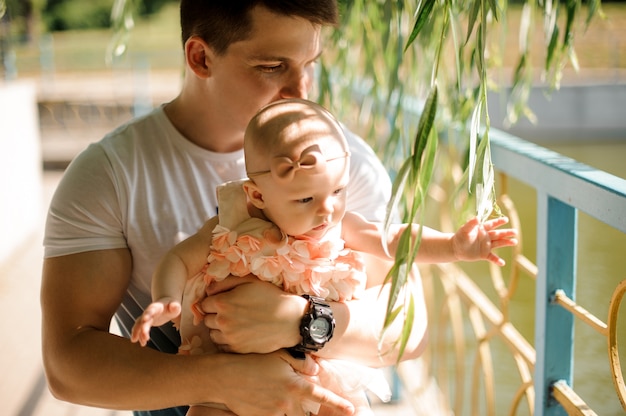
x=305 y=200
x=339 y=191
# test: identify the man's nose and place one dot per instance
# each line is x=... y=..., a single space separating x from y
x=297 y=85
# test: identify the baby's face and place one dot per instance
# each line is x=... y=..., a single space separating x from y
x=311 y=203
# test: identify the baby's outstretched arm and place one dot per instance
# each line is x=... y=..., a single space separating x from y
x=156 y=314
x=473 y=241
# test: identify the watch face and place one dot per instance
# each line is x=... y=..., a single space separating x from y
x=319 y=330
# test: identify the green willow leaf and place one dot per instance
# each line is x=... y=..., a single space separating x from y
x=392 y=317
x=398 y=275
x=494 y=9
x=524 y=30
x=454 y=29
x=423 y=179
x=396 y=196
x=122 y=22
x=552 y=47
x=426 y=7
x=428 y=165
x=426 y=122
x=520 y=69
x=484 y=189
x=475 y=7
x=406 y=328
x=473 y=140
x=479 y=52
x=568 y=35
x=573 y=58
x=407 y=247
x=594 y=7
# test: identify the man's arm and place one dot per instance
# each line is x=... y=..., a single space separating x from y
x=85 y=364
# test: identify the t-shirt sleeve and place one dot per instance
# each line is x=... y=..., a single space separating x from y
x=85 y=213
x=370 y=187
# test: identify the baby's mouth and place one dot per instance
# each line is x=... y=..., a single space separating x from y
x=320 y=227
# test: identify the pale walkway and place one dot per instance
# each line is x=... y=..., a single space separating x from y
x=23 y=389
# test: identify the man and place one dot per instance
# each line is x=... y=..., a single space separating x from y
x=127 y=199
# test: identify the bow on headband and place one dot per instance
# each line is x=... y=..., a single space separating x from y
x=284 y=168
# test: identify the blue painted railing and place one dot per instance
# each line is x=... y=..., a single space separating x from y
x=564 y=186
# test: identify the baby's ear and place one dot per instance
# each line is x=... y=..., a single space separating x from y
x=254 y=194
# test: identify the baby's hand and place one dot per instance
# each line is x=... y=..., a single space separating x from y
x=475 y=241
x=156 y=314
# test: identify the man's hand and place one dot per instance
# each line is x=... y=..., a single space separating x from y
x=247 y=315
x=287 y=383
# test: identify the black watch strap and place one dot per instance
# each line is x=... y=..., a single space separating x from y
x=318 y=310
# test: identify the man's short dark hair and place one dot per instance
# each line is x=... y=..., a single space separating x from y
x=222 y=22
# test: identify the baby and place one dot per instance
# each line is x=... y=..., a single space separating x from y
x=287 y=224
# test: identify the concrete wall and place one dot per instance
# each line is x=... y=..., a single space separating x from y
x=572 y=113
x=20 y=166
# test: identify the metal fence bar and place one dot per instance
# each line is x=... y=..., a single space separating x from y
x=554 y=326
x=590 y=190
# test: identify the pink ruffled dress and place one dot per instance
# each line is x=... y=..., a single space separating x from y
x=245 y=245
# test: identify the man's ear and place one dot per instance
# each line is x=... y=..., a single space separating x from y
x=198 y=55
x=254 y=194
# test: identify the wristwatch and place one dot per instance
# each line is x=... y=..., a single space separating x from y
x=316 y=328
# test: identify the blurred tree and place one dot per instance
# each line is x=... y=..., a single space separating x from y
x=80 y=14
x=24 y=17
x=77 y=14
x=147 y=7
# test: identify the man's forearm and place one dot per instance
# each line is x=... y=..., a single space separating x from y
x=103 y=370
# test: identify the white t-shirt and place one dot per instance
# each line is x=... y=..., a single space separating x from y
x=145 y=187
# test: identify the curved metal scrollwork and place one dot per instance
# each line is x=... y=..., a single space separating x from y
x=616 y=369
